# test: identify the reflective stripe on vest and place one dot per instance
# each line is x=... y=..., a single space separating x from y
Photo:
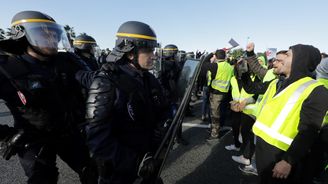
x=268 y=77
x=221 y=82
x=278 y=121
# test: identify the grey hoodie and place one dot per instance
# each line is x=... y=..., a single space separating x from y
x=322 y=69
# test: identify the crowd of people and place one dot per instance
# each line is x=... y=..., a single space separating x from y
x=105 y=115
x=278 y=112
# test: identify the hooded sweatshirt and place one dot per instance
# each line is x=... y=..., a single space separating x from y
x=322 y=69
x=305 y=60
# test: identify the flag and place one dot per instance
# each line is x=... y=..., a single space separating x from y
x=233 y=43
x=271 y=53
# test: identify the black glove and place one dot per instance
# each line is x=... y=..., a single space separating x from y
x=241 y=68
x=160 y=131
x=12 y=145
x=148 y=167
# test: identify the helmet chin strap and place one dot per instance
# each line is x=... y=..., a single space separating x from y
x=135 y=59
x=37 y=51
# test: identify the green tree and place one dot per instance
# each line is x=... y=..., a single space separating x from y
x=236 y=53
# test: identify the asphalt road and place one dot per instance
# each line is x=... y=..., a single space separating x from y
x=200 y=162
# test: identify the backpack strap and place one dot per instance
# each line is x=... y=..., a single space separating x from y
x=11 y=67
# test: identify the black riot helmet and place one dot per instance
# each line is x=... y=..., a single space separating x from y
x=132 y=36
x=182 y=55
x=190 y=55
x=170 y=51
x=85 y=43
x=40 y=31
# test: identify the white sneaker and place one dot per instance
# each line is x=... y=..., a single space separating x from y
x=248 y=169
x=232 y=147
x=241 y=159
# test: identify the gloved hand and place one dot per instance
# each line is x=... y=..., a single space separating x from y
x=107 y=67
x=160 y=131
x=12 y=145
x=148 y=167
x=241 y=67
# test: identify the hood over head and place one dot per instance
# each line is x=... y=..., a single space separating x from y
x=305 y=60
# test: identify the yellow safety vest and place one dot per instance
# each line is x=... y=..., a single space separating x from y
x=221 y=82
x=241 y=95
x=268 y=77
x=325 y=83
x=279 y=116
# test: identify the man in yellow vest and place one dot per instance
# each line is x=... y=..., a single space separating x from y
x=219 y=75
x=259 y=70
x=259 y=87
x=319 y=162
x=290 y=118
x=266 y=75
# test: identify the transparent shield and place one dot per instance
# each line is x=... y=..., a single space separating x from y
x=186 y=76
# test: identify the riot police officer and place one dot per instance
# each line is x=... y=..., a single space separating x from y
x=125 y=105
x=168 y=78
x=169 y=74
x=86 y=47
x=38 y=85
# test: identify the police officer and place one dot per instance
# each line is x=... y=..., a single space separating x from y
x=86 y=47
x=169 y=74
x=190 y=55
x=168 y=77
x=125 y=105
x=37 y=83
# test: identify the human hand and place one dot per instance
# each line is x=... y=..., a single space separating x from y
x=234 y=106
x=242 y=105
x=12 y=145
x=281 y=170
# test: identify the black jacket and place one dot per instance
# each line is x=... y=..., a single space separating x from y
x=202 y=78
x=124 y=107
x=48 y=87
x=213 y=68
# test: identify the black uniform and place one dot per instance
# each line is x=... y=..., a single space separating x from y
x=44 y=97
x=124 y=107
x=90 y=61
x=168 y=78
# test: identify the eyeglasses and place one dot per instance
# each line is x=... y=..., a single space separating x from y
x=276 y=60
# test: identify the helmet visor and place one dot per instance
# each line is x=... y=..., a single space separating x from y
x=47 y=37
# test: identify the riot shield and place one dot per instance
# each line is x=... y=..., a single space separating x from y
x=186 y=81
x=186 y=76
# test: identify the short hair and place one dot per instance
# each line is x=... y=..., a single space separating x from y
x=220 y=54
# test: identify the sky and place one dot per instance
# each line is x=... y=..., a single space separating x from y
x=191 y=25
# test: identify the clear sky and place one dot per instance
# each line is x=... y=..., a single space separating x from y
x=191 y=25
